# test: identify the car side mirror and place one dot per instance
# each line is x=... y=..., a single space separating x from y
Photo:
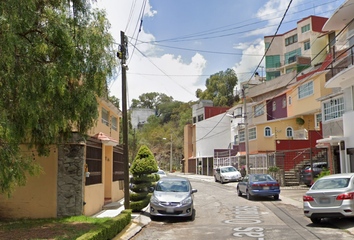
x=194 y=190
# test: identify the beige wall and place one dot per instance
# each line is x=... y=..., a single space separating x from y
x=100 y=127
x=117 y=190
x=94 y=199
x=38 y=199
x=310 y=104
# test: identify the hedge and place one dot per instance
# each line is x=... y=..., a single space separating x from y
x=110 y=228
x=138 y=205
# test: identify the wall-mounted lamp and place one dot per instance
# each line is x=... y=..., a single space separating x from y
x=87 y=174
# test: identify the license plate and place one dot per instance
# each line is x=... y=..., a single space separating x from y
x=169 y=210
x=324 y=200
x=265 y=188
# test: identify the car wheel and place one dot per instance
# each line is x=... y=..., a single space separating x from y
x=316 y=220
x=215 y=179
x=221 y=180
x=276 y=197
x=239 y=193
x=248 y=195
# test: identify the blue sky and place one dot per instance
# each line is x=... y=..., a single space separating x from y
x=182 y=43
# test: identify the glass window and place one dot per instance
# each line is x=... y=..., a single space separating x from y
x=289 y=100
x=290 y=57
x=318 y=119
x=252 y=133
x=291 y=40
x=258 y=110
x=333 y=109
x=332 y=183
x=305 y=90
x=289 y=132
x=241 y=135
x=274 y=106
x=307 y=45
x=114 y=123
x=266 y=45
x=272 y=75
x=200 y=118
x=284 y=102
x=267 y=132
x=105 y=116
x=305 y=28
x=273 y=61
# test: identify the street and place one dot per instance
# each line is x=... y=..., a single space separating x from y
x=221 y=214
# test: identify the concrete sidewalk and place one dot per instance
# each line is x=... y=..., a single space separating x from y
x=288 y=195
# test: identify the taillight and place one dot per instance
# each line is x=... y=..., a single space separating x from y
x=307 y=199
x=345 y=196
x=309 y=170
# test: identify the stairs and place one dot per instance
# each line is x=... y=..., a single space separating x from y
x=291 y=178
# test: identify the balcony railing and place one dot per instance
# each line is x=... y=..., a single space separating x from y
x=341 y=60
x=301 y=134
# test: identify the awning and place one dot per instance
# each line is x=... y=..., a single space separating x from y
x=107 y=140
x=331 y=139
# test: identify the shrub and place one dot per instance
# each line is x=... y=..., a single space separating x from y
x=322 y=174
x=273 y=169
x=143 y=165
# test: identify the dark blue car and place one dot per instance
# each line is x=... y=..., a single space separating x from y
x=258 y=185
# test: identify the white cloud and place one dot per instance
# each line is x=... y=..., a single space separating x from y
x=143 y=76
x=251 y=56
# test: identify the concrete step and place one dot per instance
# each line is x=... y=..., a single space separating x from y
x=112 y=205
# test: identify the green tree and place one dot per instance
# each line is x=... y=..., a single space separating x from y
x=56 y=57
x=151 y=100
x=144 y=164
x=220 y=88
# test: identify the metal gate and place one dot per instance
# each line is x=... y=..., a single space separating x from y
x=94 y=161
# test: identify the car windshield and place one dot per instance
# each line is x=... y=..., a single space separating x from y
x=262 y=178
x=331 y=183
x=172 y=186
x=161 y=173
x=228 y=169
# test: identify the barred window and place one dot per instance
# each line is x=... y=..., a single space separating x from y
x=114 y=123
x=289 y=131
x=241 y=135
x=333 y=109
x=267 y=132
x=105 y=116
x=305 y=90
x=258 y=110
x=252 y=133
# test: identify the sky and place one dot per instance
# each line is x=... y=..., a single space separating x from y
x=175 y=46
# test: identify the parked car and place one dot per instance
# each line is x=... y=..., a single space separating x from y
x=258 y=185
x=161 y=173
x=227 y=174
x=305 y=173
x=173 y=197
x=330 y=196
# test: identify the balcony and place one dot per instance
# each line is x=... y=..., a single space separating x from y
x=342 y=61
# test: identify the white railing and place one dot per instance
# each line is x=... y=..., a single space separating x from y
x=301 y=134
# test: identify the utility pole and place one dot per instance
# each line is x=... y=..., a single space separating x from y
x=123 y=51
x=171 y=153
x=246 y=131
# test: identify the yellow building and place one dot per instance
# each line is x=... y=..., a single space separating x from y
x=77 y=177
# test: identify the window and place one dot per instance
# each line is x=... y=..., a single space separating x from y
x=289 y=131
x=305 y=28
x=194 y=119
x=307 y=45
x=105 y=116
x=318 y=119
x=267 y=132
x=235 y=139
x=333 y=109
x=258 y=110
x=289 y=100
x=274 y=106
x=252 y=133
x=284 y=102
x=290 y=57
x=273 y=61
x=291 y=40
x=272 y=75
x=305 y=90
x=200 y=118
x=266 y=45
x=241 y=135
x=114 y=123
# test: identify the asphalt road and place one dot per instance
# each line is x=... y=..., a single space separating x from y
x=221 y=214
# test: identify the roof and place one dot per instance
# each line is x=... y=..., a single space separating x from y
x=341 y=17
x=107 y=140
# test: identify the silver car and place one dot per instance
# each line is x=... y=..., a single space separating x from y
x=172 y=197
x=227 y=174
x=330 y=197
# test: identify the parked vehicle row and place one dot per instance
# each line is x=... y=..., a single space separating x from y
x=305 y=173
x=254 y=185
x=227 y=174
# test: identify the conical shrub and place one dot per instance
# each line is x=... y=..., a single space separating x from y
x=143 y=165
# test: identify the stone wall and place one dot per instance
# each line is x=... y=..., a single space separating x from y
x=70 y=192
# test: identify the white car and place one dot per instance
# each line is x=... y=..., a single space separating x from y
x=161 y=173
x=227 y=174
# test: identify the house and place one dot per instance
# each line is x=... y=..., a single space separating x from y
x=210 y=129
x=78 y=176
x=338 y=107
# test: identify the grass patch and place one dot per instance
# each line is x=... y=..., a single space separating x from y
x=60 y=228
